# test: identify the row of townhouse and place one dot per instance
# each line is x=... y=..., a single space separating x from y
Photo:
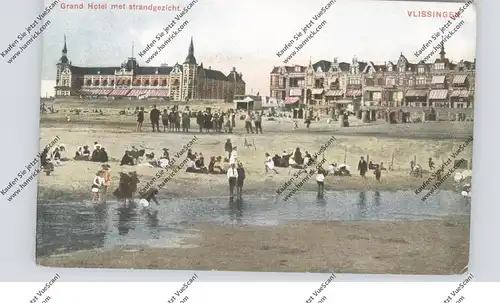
x=392 y=84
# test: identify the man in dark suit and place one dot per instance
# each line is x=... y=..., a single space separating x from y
x=362 y=167
x=154 y=115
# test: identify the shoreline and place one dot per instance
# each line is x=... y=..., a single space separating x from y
x=356 y=247
x=178 y=188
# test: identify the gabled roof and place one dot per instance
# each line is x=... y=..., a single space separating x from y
x=235 y=77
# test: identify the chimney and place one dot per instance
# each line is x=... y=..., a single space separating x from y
x=234 y=69
x=209 y=67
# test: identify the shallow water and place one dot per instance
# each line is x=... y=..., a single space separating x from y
x=66 y=227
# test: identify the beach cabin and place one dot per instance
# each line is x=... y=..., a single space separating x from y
x=247 y=102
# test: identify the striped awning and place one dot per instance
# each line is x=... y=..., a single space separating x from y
x=137 y=92
x=295 y=92
x=416 y=93
x=438 y=94
x=353 y=93
x=317 y=91
x=102 y=92
x=460 y=94
x=334 y=93
x=438 y=79
x=459 y=79
x=119 y=92
x=291 y=100
x=158 y=93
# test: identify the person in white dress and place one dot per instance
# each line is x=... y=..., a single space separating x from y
x=269 y=163
x=234 y=156
x=97 y=184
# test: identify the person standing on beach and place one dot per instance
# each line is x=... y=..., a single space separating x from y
x=232 y=176
x=228 y=148
x=97 y=185
x=140 y=120
x=362 y=167
x=320 y=180
x=107 y=181
x=164 y=120
x=154 y=116
x=378 y=172
x=248 y=122
x=241 y=179
x=258 y=123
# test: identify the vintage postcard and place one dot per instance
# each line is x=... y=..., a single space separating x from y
x=266 y=136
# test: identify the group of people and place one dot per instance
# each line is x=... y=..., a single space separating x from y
x=208 y=121
x=101 y=183
x=364 y=167
x=294 y=159
x=98 y=154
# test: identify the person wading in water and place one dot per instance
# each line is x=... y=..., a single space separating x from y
x=241 y=179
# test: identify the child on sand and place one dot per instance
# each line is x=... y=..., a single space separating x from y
x=97 y=184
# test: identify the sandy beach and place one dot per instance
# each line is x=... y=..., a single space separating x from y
x=409 y=247
x=72 y=180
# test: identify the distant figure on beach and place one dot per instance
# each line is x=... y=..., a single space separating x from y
x=228 y=148
x=164 y=120
x=127 y=159
x=362 y=167
x=232 y=176
x=86 y=152
x=140 y=120
x=240 y=181
x=258 y=123
x=431 y=164
x=320 y=180
x=154 y=116
x=107 y=181
x=378 y=171
x=234 y=156
x=269 y=164
x=97 y=185
x=248 y=122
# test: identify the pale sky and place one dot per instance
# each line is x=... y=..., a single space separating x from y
x=248 y=33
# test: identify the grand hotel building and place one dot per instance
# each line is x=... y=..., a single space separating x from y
x=180 y=82
x=393 y=84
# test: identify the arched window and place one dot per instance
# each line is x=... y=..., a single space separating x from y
x=146 y=82
x=155 y=83
x=105 y=83
x=128 y=82
x=89 y=82
x=96 y=82
x=176 y=82
x=112 y=82
x=163 y=82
